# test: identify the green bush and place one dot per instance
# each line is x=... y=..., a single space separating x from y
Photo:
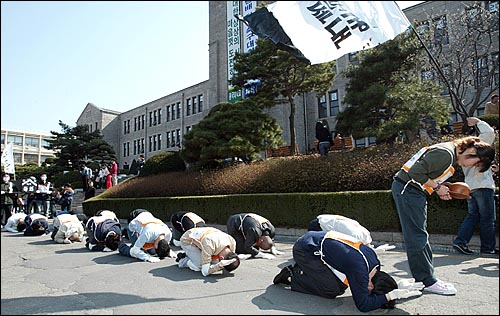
x=162 y=163
x=72 y=177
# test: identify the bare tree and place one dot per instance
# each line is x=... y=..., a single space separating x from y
x=465 y=46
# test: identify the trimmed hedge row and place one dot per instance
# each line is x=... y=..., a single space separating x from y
x=372 y=209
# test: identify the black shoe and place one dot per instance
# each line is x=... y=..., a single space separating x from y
x=124 y=233
x=283 y=276
x=463 y=249
x=180 y=255
x=490 y=253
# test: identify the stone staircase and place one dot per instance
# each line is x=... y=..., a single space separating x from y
x=78 y=197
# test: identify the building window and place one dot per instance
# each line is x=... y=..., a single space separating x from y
x=322 y=107
x=167 y=141
x=200 y=103
x=150 y=118
x=142 y=145
x=150 y=143
x=178 y=136
x=31 y=142
x=354 y=58
x=16 y=139
x=154 y=142
x=45 y=143
x=172 y=138
x=334 y=103
x=159 y=141
x=135 y=147
x=173 y=112
x=124 y=149
x=178 y=105
x=482 y=70
x=143 y=118
x=159 y=116
x=194 y=105
x=30 y=158
x=440 y=31
x=155 y=117
x=188 y=106
x=188 y=128
x=96 y=126
x=135 y=123
x=168 y=113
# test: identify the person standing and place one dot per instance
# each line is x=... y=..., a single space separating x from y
x=43 y=195
x=114 y=172
x=481 y=207
x=103 y=174
x=7 y=198
x=420 y=177
x=66 y=198
x=86 y=176
x=324 y=137
x=492 y=106
x=90 y=193
x=140 y=164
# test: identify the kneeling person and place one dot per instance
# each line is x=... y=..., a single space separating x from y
x=36 y=225
x=152 y=233
x=183 y=221
x=208 y=249
x=15 y=223
x=103 y=231
x=252 y=233
x=67 y=229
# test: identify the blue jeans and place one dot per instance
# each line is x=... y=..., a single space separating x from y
x=480 y=210
x=412 y=210
x=323 y=148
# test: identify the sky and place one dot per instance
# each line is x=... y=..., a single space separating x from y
x=57 y=56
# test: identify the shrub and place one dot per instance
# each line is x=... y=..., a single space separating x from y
x=162 y=163
x=73 y=177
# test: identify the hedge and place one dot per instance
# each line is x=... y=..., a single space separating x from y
x=373 y=209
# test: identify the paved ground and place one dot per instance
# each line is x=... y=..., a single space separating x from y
x=41 y=277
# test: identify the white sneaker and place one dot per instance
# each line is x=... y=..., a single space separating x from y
x=441 y=288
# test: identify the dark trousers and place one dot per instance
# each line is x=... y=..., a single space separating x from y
x=6 y=212
x=312 y=276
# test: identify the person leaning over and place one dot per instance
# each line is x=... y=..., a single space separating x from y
x=181 y=222
x=328 y=262
x=207 y=249
x=481 y=206
x=420 y=177
x=252 y=233
x=152 y=233
x=36 y=225
x=103 y=231
x=67 y=229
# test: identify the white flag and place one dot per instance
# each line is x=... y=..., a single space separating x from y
x=8 y=159
x=326 y=30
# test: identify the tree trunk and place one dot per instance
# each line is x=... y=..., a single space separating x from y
x=292 y=126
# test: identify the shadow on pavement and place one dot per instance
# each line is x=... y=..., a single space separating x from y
x=67 y=303
x=274 y=299
x=174 y=273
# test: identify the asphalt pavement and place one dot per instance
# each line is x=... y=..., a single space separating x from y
x=40 y=277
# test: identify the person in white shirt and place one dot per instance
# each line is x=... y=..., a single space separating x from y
x=15 y=223
x=67 y=229
x=208 y=249
x=481 y=207
x=152 y=234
